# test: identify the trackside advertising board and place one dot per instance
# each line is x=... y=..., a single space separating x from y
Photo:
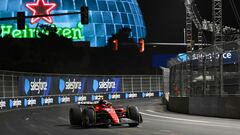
x=41 y=101
x=36 y=91
x=229 y=57
x=32 y=86
x=71 y=85
x=44 y=86
x=102 y=84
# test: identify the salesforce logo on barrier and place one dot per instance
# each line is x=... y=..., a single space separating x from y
x=3 y=104
x=103 y=85
x=147 y=94
x=131 y=95
x=80 y=98
x=30 y=102
x=15 y=103
x=64 y=99
x=160 y=93
x=114 y=96
x=46 y=101
x=36 y=85
x=182 y=57
x=69 y=85
x=210 y=56
x=228 y=57
x=97 y=97
x=106 y=17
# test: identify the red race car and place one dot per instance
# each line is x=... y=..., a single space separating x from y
x=104 y=114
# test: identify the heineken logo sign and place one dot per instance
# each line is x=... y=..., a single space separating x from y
x=75 y=33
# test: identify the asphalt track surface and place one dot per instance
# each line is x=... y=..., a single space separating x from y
x=157 y=121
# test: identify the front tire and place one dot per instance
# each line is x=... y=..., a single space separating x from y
x=88 y=117
x=133 y=114
x=75 y=116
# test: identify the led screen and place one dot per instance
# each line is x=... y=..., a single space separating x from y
x=106 y=18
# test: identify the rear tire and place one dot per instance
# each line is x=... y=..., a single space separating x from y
x=133 y=114
x=88 y=117
x=75 y=116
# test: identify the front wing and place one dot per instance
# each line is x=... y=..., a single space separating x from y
x=121 y=121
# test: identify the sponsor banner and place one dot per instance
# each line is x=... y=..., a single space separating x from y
x=98 y=97
x=148 y=94
x=115 y=96
x=32 y=86
x=131 y=95
x=80 y=98
x=109 y=85
x=70 y=85
x=64 y=99
x=47 y=101
x=15 y=103
x=30 y=102
x=3 y=104
x=229 y=57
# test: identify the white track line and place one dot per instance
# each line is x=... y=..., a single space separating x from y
x=206 y=123
x=172 y=118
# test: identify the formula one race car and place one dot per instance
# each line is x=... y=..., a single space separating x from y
x=104 y=114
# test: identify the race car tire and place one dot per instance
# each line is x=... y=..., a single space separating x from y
x=133 y=114
x=75 y=116
x=88 y=117
x=141 y=120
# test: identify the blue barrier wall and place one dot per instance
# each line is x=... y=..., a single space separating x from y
x=40 y=101
x=38 y=91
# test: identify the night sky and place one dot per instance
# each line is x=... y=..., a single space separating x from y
x=165 y=19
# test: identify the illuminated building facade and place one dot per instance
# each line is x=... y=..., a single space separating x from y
x=106 y=17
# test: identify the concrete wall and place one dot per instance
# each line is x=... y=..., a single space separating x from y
x=178 y=104
x=228 y=107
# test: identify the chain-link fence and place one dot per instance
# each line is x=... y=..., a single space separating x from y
x=212 y=71
x=10 y=82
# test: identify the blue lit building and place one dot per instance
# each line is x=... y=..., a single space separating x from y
x=106 y=17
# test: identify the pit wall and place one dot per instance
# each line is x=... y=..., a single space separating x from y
x=227 y=107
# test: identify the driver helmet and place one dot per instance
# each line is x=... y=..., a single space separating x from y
x=101 y=101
